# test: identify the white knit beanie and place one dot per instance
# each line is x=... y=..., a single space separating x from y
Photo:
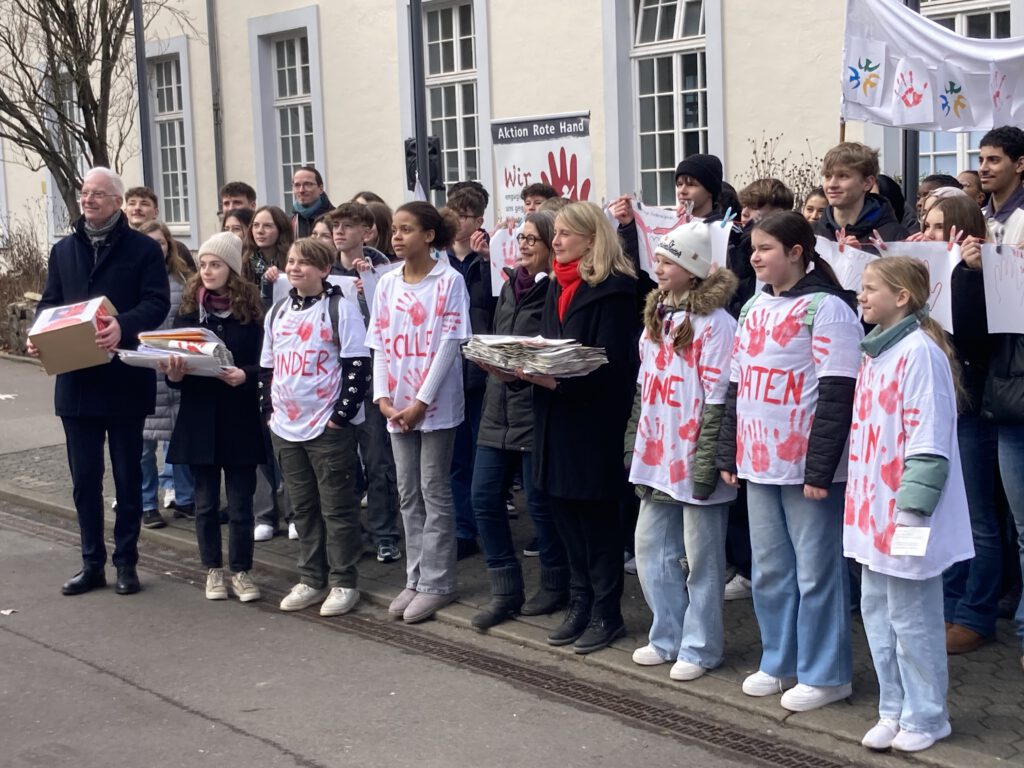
x=226 y=247
x=689 y=246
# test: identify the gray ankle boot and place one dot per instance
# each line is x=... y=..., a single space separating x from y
x=553 y=594
x=506 y=598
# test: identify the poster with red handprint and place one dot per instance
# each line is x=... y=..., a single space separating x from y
x=941 y=259
x=552 y=150
x=904 y=407
x=1004 y=288
x=914 y=93
x=504 y=255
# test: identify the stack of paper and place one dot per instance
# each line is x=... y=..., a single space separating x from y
x=204 y=351
x=563 y=358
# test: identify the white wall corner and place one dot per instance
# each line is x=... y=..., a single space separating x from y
x=619 y=129
x=714 y=61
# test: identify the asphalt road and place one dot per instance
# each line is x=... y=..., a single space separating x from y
x=26 y=408
x=167 y=678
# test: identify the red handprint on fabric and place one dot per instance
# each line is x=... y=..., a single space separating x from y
x=305 y=330
x=911 y=418
x=439 y=305
x=740 y=441
x=820 y=348
x=563 y=177
x=892 y=470
x=998 y=97
x=392 y=384
x=794 y=447
x=677 y=469
x=690 y=430
x=664 y=357
x=865 y=393
x=867 y=498
x=786 y=331
x=757 y=332
x=692 y=353
x=653 y=441
x=760 y=458
x=415 y=378
x=850 y=508
x=287 y=398
x=883 y=538
x=383 y=321
x=413 y=306
x=907 y=90
x=890 y=394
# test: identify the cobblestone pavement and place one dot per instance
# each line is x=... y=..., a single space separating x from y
x=985 y=687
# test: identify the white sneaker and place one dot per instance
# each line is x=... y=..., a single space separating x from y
x=648 y=656
x=762 y=684
x=341 y=600
x=168 y=498
x=263 y=532
x=803 y=698
x=686 y=670
x=215 y=589
x=915 y=741
x=244 y=587
x=302 y=596
x=738 y=588
x=881 y=736
x=293 y=532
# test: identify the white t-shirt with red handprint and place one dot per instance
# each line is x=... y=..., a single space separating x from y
x=905 y=406
x=407 y=325
x=777 y=361
x=307 y=365
x=673 y=389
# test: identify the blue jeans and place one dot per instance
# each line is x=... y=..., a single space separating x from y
x=492 y=469
x=463 y=453
x=176 y=476
x=801 y=583
x=1011 y=467
x=904 y=625
x=971 y=587
x=687 y=608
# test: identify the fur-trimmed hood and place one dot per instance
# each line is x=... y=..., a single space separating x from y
x=711 y=294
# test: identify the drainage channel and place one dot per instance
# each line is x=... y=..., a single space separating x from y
x=647 y=714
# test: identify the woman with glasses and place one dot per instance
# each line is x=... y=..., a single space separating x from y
x=505 y=444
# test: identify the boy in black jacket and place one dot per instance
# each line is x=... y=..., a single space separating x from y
x=848 y=174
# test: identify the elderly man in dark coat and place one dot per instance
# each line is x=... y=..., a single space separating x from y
x=105 y=257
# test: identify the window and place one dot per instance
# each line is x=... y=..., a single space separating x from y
x=294 y=109
x=451 y=73
x=953 y=152
x=63 y=109
x=172 y=164
x=671 y=91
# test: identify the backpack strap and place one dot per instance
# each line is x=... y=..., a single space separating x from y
x=332 y=310
x=276 y=310
x=812 y=310
x=746 y=308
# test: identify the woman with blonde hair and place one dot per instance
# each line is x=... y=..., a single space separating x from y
x=581 y=422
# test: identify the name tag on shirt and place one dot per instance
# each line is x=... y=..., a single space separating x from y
x=909 y=542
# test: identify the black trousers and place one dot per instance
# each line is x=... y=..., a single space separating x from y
x=239 y=486
x=592 y=536
x=85 y=438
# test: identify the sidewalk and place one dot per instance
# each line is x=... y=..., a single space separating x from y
x=985 y=687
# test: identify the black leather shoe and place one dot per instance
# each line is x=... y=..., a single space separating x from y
x=127 y=580
x=84 y=581
x=577 y=617
x=600 y=634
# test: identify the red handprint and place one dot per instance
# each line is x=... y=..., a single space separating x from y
x=409 y=303
x=908 y=93
x=757 y=332
x=450 y=322
x=820 y=348
x=850 y=508
x=439 y=305
x=383 y=317
x=654 y=442
x=325 y=391
x=866 y=499
x=760 y=459
x=292 y=409
x=784 y=332
x=690 y=430
x=794 y=448
x=305 y=330
x=415 y=378
x=892 y=471
x=325 y=333
x=865 y=394
x=677 y=470
x=883 y=538
x=664 y=356
x=997 y=90
x=740 y=441
x=890 y=394
x=563 y=177
x=692 y=353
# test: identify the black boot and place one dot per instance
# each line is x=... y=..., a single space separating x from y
x=127 y=580
x=577 y=617
x=85 y=580
x=553 y=594
x=600 y=634
x=506 y=598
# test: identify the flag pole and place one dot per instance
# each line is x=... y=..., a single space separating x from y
x=911 y=144
x=842 y=129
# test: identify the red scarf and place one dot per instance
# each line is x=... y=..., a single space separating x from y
x=568 y=276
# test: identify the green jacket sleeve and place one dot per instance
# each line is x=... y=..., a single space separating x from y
x=924 y=477
x=704 y=471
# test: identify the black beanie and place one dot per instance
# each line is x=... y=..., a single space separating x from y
x=707 y=169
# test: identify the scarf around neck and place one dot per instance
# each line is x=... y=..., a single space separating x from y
x=98 y=234
x=568 y=276
x=214 y=303
x=307 y=211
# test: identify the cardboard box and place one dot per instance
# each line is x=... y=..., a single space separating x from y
x=66 y=336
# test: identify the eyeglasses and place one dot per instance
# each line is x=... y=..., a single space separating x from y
x=530 y=240
x=95 y=195
x=304 y=184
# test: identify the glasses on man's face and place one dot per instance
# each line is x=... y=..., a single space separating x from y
x=530 y=240
x=303 y=185
x=94 y=195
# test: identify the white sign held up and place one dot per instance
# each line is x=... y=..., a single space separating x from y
x=1003 y=272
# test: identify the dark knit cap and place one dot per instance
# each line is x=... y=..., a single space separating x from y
x=707 y=169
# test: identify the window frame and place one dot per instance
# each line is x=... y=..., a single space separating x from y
x=158 y=51
x=264 y=31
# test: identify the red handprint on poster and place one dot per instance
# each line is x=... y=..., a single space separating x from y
x=563 y=177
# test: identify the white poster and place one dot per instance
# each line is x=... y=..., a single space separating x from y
x=504 y=253
x=552 y=150
x=653 y=223
x=848 y=264
x=913 y=102
x=940 y=259
x=1003 y=271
